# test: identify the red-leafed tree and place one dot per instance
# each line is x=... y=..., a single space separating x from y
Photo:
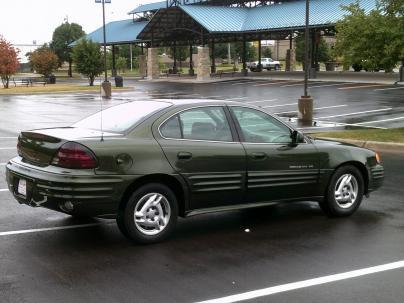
x=44 y=61
x=8 y=61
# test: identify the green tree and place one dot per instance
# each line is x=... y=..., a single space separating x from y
x=323 y=50
x=8 y=61
x=44 y=61
x=266 y=52
x=88 y=59
x=63 y=35
x=374 y=40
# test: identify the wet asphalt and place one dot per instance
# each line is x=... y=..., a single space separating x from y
x=209 y=256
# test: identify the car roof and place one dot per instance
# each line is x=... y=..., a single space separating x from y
x=180 y=102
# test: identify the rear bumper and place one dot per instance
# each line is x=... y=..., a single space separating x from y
x=52 y=187
x=376 y=177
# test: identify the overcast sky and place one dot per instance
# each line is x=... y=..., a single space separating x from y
x=22 y=21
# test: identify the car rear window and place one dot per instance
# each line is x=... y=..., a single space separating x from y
x=120 y=118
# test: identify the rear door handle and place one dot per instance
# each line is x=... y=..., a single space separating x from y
x=258 y=156
x=184 y=155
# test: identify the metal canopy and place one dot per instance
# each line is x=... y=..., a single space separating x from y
x=202 y=23
x=118 y=32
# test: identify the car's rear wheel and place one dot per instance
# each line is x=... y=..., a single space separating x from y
x=150 y=214
x=344 y=193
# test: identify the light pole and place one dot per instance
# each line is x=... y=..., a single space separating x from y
x=305 y=103
x=106 y=85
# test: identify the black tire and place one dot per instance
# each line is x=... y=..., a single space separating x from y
x=168 y=208
x=277 y=67
x=330 y=205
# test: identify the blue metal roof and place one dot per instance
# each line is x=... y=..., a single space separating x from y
x=284 y=15
x=117 y=32
x=150 y=7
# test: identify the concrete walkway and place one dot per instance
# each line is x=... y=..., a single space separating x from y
x=356 y=77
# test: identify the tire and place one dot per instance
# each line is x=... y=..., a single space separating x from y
x=344 y=193
x=277 y=67
x=157 y=211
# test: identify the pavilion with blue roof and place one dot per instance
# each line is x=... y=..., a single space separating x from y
x=206 y=22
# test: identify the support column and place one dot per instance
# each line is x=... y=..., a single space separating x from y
x=191 y=63
x=153 y=69
x=113 y=62
x=244 y=71
x=259 y=66
x=143 y=66
x=203 y=70
x=175 y=70
x=290 y=60
x=213 y=66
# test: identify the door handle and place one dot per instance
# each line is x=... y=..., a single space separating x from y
x=258 y=156
x=184 y=155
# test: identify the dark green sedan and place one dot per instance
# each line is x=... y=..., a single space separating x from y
x=148 y=162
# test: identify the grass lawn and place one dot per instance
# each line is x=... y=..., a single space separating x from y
x=54 y=88
x=395 y=135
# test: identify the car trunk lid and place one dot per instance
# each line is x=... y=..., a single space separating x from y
x=38 y=147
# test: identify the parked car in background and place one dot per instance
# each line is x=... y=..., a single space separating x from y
x=153 y=161
x=267 y=63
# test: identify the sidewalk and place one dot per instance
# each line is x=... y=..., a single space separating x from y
x=348 y=76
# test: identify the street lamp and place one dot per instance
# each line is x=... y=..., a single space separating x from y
x=305 y=103
x=106 y=85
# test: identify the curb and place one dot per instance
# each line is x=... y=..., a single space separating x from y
x=385 y=146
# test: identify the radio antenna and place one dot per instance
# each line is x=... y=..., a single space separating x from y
x=102 y=132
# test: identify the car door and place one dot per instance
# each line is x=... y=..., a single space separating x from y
x=277 y=169
x=199 y=144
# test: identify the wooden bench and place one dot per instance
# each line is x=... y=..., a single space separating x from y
x=220 y=73
x=21 y=81
x=31 y=81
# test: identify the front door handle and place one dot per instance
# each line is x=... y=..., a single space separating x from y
x=184 y=155
x=258 y=156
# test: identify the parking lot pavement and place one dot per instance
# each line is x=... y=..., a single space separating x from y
x=50 y=257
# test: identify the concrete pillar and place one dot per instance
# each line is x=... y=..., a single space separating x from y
x=305 y=109
x=244 y=71
x=259 y=66
x=290 y=60
x=203 y=69
x=153 y=68
x=113 y=61
x=213 y=66
x=191 y=63
x=143 y=66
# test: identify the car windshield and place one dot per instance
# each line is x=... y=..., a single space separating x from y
x=120 y=118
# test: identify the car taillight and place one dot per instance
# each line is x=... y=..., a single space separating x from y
x=74 y=155
x=19 y=147
x=378 y=158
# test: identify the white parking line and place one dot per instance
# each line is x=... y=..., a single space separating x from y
x=325 y=85
x=378 y=121
x=356 y=113
x=307 y=283
x=277 y=82
x=390 y=88
x=3 y=189
x=279 y=105
x=261 y=101
x=289 y=85
x=8 y=137
x=27 y=231
x=3 y=164
x=238 y=98
x=316 y=108
x=4 y=148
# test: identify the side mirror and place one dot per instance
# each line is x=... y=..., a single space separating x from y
x=297 y=137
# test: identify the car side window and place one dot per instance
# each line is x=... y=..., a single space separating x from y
x=259 y=127
x=171 y=128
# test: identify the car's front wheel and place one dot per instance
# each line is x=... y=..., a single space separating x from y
x=344 y=193
x=150 y=214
